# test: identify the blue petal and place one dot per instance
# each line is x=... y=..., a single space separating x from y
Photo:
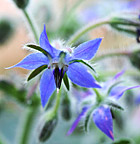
x=45 y=44
x=118 y=75
x=103 y=120
x=109 y=83
x=79 y=75
x=87 y=50
x=118 y=91
x=32 y=61
x=47 y=86
x=74 y=125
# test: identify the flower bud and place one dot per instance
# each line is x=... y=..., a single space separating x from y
x=47 y=125
x=125 y=25
x=135 y=59
x=21 y=3
x=6 y=30
x=65 y=111
x=47 y=129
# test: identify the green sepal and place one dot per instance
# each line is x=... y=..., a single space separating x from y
x=85 y=63
x=114 y=105
x=36 y=47
x=115 y=84
x=66 y=81
x=125 y=30
x=36 y=72
x=87 y=118
x=86 y=122
x=123 y=21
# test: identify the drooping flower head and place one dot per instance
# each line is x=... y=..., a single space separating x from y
x=100 y=112
x=59 y=62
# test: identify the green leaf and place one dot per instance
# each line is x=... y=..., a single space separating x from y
x=36 y=72
x=8 y=87
x=114 y=105
x=66 y=81
x=36 y=47
x=85 y=63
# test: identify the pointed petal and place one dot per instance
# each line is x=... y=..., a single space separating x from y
x=118 y=91
x=32 y=61
x=47 y=86
x=45 y=44
x=79 y=75
x=109 y=83
x=80 y=116
x=103 y=120
x=118 y=75
x=87 y=50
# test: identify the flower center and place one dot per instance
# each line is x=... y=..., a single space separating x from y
x=59 y=67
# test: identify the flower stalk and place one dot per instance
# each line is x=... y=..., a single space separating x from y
x=87 y=28
x=32 y=25
x=57 y=102
x=27 y=126
x=113 y=54
x=98 y=96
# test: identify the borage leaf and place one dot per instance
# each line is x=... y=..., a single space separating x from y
x=66 y=81
x=36 y=47
x=85 y=63
x=36 y=72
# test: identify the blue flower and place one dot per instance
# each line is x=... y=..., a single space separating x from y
x=101 y=115
x=59 y=61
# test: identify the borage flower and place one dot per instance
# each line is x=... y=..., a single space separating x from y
x=60 y=62
x=100 y=111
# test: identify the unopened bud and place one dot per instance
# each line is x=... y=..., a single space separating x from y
x=6 y=30
x=47 y=125
x=21 y=3
x=125 y=25
x=47 y=130
x=135 y=59
x=66 y=110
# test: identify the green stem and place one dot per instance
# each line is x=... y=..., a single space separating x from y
x=27 y=127
x=32 y=25
x=57 y=102
x=98 y=96
x=127 y=54
x=81 y=32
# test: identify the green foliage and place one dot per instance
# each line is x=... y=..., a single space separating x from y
x=18 y=94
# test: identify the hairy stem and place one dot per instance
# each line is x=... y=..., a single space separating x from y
x=87 y=28
x=57 y=101
x=32 y=25
x=113 y=54
x=27 y=126
x=98 y=96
